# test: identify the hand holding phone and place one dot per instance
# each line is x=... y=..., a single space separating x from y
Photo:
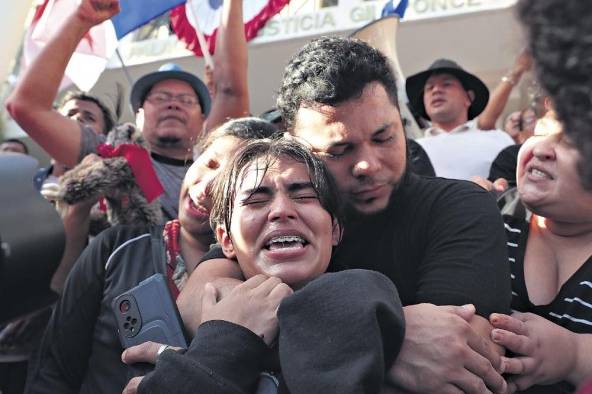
x=147 y=312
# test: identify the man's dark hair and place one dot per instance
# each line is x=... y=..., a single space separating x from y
x=270 y=150
x=107 y=116
x=332 y=70
x=17 y=141
x=560 y=34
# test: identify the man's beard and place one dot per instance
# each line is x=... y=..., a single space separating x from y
x=169 y=142
x=354 y=214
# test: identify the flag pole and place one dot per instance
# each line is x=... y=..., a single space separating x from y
x=124 y=67
x=127 y=75
x=200 y=37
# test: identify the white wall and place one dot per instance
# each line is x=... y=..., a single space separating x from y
x=12 y=23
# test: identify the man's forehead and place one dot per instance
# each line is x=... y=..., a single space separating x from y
x=78 y=105
x=12 y=146
x=263 y=171
x=174 y=85
x=318 y=125
x=442 y=76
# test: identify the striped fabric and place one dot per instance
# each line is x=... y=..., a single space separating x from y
x=572 y=307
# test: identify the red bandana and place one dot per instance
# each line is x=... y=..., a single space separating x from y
x=139 y=161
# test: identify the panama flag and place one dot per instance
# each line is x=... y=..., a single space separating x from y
x=256 y=13
x=393 y=7
x=98 y=45
x=91 y=55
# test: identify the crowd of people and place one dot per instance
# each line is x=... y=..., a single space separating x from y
x=314 y=249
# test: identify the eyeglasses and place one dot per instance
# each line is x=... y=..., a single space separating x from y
x=188 y=100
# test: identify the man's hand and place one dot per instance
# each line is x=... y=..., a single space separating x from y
x=546 y=352
x=94 y=12
x=523 y=62
x=252 y=304
x=442 y=353
x=146 y=352
x=500 y=185
x=224 y=274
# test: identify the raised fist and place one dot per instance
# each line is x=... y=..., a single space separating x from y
x=95 y=12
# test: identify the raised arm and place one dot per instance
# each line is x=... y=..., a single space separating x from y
x=501 y=93
x=230 y=67
x=31 y=103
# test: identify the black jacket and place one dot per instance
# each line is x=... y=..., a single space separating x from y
x=80 y=350
x=338 y=334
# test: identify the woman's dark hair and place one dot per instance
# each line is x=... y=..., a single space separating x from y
x=249 y=128
x=332 y=70
x=224 y=189
x=559 y=34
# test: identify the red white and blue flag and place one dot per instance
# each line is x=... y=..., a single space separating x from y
x=96 y=48
x=91 y=55
x=256 y=13
x=99 y=44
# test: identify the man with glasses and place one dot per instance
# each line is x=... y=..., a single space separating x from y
x=171 y=105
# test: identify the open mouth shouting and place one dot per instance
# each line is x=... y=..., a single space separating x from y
x=536 y=172
x=197 y=210
x=284 y=245
x=286 y=242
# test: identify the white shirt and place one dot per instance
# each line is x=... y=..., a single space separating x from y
x=465 y=151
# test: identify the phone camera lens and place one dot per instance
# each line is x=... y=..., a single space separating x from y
x=124 y=306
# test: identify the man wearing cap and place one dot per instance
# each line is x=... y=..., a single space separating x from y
x=451 y=98
x=171 y=104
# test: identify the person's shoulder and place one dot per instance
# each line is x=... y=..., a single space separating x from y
x=511 y=150
x=418 y=185
x=89 y=141
x=120 y=234
x=119 y=242
x=215 y=252
x=88 y=132
x=435 y=195
x=514 y=212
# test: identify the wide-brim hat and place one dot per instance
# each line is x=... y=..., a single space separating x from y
x=170 y=71
x=415 y=83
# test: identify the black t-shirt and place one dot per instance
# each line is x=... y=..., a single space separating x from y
x=440 y=241
x=419 y=162
x=504 y=165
